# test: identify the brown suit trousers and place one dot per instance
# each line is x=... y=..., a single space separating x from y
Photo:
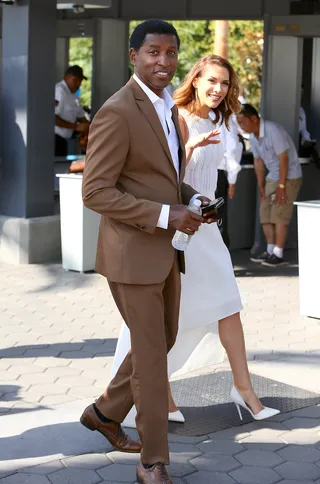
x=152 y=314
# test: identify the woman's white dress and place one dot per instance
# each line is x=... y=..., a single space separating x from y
x=209 y=289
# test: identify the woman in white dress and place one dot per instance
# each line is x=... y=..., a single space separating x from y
x=206 y=100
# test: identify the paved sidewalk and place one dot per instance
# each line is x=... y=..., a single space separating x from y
x=58 y=332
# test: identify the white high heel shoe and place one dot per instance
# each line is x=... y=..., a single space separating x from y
x=176 y=417
x=237 y=399
x=130 y=420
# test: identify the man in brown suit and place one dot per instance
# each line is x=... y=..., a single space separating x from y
x=133 y=177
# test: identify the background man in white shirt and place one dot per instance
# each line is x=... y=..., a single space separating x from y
x=70 y=115
x=273 y=149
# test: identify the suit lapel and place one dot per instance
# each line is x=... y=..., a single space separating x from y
x=150 y=113
x=182 y=151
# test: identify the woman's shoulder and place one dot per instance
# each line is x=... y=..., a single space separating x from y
x=189 y=118
x=184 y=113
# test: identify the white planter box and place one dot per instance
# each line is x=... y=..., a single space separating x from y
x=79 y=226
x=309 y=257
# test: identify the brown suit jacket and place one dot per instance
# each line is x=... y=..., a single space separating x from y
x=128 y=175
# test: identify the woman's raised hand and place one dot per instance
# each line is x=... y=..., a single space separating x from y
x=204 y=139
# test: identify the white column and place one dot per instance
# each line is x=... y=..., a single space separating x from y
x=283 y=82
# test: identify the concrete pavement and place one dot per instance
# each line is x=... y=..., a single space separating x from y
x=58 y=333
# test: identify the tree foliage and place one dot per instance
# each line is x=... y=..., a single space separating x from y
x=197 y=40
x=80 y=53
x=246 y=43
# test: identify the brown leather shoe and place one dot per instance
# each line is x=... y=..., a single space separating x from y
x=155 y=475
x=112 y=431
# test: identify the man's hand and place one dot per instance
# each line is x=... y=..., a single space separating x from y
x=231 y=191
x=180 y=218
x=262 y=193
x=204 y=200
x=82 y=127
x=281 y=196
x=210 y=217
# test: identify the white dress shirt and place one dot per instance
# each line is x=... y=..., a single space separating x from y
x=68 y=108
x=163 y=106
x=274 y=140
x=233 y=150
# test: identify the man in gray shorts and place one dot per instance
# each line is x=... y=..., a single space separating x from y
x=273 y=148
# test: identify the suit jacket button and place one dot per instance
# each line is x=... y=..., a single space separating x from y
x=142 y=227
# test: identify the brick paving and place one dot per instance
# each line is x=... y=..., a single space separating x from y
x=58 y=333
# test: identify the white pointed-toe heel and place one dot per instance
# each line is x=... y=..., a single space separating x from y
x=176 y=417
x=130 y=420
x=237 y=399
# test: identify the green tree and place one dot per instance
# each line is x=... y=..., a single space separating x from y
x=196 y=41
x=245 y=50
x=246 y=42
x=80 y=52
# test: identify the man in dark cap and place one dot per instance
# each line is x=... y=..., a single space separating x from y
x=70 y=115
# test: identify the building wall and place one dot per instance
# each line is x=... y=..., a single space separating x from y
x=191 y=9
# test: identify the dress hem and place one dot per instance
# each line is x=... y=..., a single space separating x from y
x=206 y=318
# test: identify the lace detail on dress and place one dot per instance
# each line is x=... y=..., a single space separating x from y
x=202 y=169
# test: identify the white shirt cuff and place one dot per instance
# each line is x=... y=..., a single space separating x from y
x=163 y=220
x=164 y=217
x=195 y=197
x=232 y=177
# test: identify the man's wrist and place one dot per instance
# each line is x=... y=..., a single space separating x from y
x=281 y=185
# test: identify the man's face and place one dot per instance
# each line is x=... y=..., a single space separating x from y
x=156 y=61
x=249 y=125
x=73 y=82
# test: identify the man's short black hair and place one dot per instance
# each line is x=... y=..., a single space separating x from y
x=152 y=26
x=248 y=111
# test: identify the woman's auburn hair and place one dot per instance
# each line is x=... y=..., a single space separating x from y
x=185 y=96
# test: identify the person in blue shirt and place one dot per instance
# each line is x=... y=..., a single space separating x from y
x=274 y=150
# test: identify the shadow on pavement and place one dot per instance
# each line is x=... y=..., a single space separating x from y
x=9 y=398
x=243 y=267
x=12 y=390
x=51 y=440
x=74 y=350
x=287 y=357
x=65 y=438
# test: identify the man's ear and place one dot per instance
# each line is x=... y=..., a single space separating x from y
x=133 y=55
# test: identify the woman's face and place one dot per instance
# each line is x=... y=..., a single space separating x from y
x=212 y=86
